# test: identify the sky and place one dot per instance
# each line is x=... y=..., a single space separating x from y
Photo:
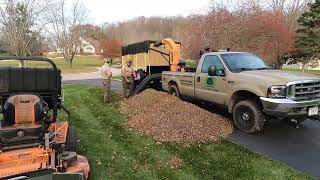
x=110 y=11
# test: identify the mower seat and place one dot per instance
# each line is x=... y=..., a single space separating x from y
x=23 y=109
x=23 y=115
x=21 y=134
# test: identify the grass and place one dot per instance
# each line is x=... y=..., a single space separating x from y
x=117 y=78
x=192 y=63
x=116 y=61
x=115 y=152
x=80 y=64
x=305 y=71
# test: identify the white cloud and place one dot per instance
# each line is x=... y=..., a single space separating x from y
x=101 y=11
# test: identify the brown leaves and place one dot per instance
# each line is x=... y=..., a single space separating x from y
x=111 y=48
x=168 y=119
x=249 y=27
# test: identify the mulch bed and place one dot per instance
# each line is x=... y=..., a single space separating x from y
x=167 y=119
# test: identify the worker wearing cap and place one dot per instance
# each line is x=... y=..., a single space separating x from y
x=106 y=76
x=128 y=76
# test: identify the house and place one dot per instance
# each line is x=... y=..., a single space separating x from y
x=87 y=47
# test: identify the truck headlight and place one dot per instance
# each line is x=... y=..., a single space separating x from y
x=277 y=92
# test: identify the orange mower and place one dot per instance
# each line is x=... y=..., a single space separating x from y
x=34 y=144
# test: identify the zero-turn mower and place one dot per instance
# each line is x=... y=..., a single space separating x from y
x=34 y=144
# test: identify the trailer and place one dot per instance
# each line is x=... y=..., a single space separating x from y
x=150 y=59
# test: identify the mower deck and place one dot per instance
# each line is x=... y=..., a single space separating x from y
x=23 y=161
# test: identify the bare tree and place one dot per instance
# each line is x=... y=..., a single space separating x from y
x=65 y=27
x=296 y=9
x=19 y=21
x=291 y=8
x=278 y=5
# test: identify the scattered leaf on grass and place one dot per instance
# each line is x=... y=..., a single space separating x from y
x=173 y=163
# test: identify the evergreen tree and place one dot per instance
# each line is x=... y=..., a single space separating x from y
x=308 y=33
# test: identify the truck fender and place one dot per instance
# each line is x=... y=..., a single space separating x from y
x=173 y=82
x=169 y=81
x=242 y=94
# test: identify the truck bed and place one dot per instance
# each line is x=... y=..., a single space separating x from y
x=184 y=80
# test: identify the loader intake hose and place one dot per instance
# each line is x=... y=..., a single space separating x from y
x=159 y=43
x=144 y=84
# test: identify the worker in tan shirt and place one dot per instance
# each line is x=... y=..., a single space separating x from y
x=128 y=76
x=106 y=76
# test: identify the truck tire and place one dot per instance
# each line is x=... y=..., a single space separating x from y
x=248 y=116
x=174 y=91
x=72 y=140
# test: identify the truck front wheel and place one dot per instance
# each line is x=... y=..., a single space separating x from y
x=174 y=91
x=248 y=116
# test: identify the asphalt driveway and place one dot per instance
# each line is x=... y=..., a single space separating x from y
x=298 y=148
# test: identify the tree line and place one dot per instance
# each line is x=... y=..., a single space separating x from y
x=267 y=28
x=31 y=27
x=277 y=30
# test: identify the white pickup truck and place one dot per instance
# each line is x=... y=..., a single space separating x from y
x=248 y=87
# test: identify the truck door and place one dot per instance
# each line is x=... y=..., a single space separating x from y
x=211 y=88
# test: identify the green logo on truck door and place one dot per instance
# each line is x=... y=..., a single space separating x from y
x=210 y=82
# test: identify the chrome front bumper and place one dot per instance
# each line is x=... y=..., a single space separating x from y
x=287 y=107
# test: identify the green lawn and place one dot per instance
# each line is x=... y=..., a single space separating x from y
x=117 y=78
x=192 y=63
x=117 y=153
x=305 y=71
x=80 y=64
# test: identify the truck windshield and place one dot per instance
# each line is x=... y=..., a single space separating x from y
x=244 y=62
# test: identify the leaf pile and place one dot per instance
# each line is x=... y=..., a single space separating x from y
x=167 y=119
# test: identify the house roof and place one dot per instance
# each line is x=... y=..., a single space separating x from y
x=93 y=42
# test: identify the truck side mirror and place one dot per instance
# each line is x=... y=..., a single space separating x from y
x=212 y=70
x=220 y=72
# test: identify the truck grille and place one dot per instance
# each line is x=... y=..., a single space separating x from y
x=304 y=90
